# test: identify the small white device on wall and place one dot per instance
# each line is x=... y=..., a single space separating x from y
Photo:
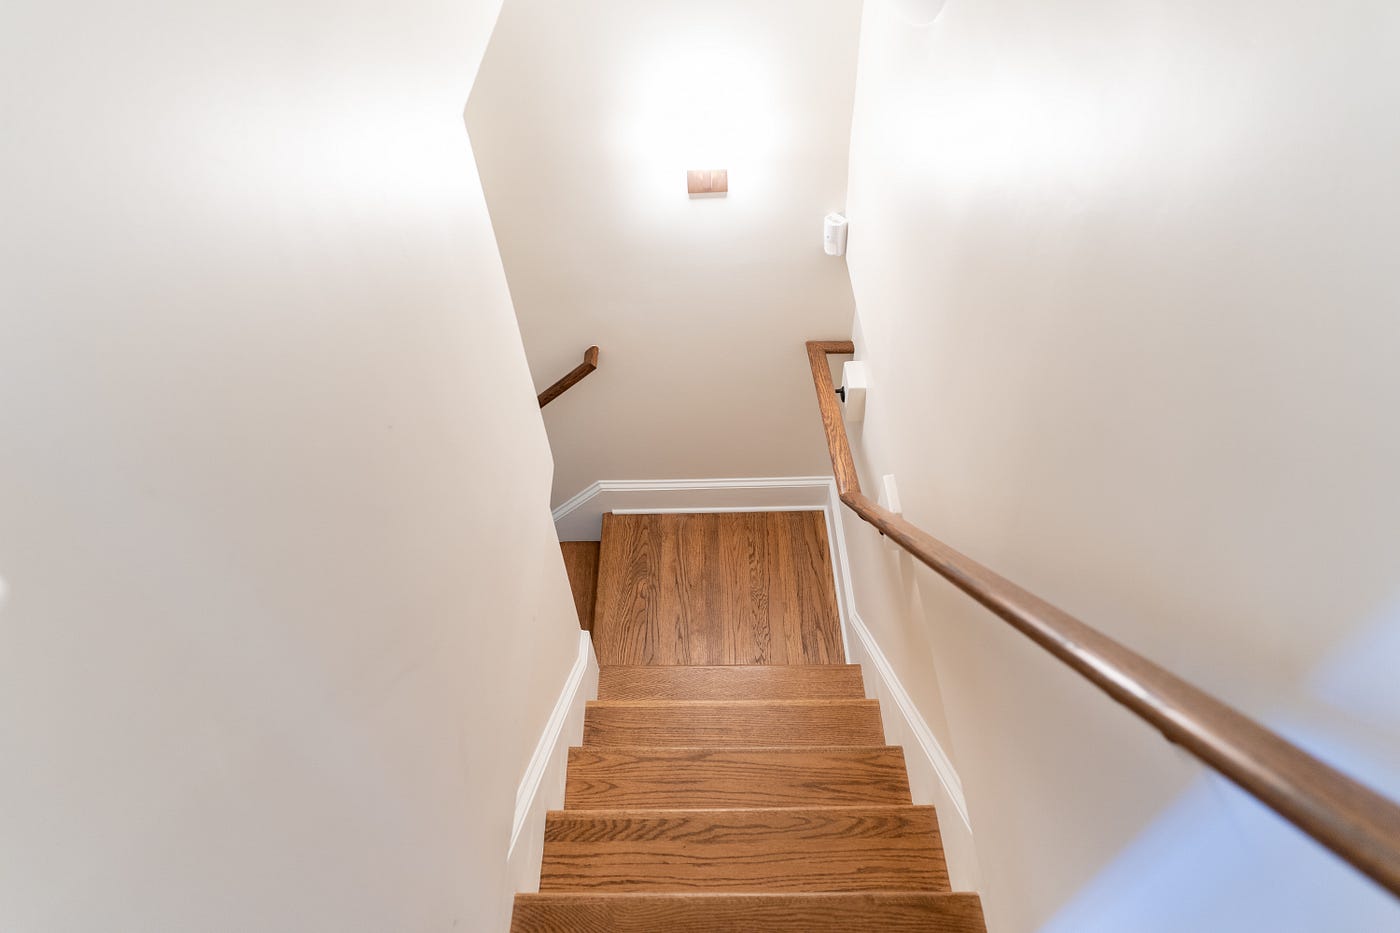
x=853 y=385
x=889 y=494
x=834 y=234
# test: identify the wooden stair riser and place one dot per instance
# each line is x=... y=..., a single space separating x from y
x=756 y=723
x=746 y=682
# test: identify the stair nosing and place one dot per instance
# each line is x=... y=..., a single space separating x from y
x=753 y=667
x=740 y=747
x=701 y=892
x=642 y=812
x=818 y=701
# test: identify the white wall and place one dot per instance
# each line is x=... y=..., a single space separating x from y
x=1125 y=276
x=586 y=117
x=285 y=614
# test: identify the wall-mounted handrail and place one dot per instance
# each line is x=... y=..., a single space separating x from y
x=1347 y=817
x=574 y=377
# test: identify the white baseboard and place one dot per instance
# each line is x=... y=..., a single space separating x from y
x=581 y=517
x=932 y=777
x=913 y=728
x=542 y=787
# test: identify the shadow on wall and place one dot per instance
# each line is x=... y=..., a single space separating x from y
x=1219 y=860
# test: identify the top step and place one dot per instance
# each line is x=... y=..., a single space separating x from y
x=716 y=588
x=738 y=682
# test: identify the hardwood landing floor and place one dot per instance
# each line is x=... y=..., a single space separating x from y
x=581 y=563
x=731 y=588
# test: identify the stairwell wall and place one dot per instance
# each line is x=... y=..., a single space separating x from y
x=283 y=613
x=588 y=116
x=1125 y=281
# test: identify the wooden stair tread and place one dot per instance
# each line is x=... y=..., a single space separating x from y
x=601 y=777
x=833 y=849
x=890 y=912
x=687 y=723
x=733 y=778
x=731 y=682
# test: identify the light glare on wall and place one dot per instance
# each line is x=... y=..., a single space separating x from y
x=697 y=101
x=918 y=12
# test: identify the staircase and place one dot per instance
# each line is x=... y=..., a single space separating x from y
x=734 y=794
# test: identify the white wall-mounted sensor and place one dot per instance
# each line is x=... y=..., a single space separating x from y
x=889 y=494
x=853 y=386
x=834 y=234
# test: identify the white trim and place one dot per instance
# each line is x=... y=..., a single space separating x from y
x=581 y=517
x=917 y=727
x=576 y=501
x=543 y=781
x=549 y=738
x=887 y=685
x=840 y=565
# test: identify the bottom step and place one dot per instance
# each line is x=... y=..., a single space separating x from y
x=747 y=913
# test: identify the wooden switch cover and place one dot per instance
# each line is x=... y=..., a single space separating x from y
x=707 y=181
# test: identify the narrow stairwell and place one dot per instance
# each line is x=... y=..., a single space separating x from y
x=736 y=796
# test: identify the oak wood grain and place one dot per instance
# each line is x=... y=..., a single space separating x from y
x=732 y=766
x=817 y=849
x=732 y=682
x=707 y=723
x=843 y=466
x=716 y=589
x=1355 y=822
x=871 y=912
x=581 y=563
x=603 y=778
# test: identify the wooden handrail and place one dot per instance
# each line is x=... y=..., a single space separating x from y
x=575 y=376
x=1347 y=817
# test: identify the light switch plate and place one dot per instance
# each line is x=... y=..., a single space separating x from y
x=707 y=181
